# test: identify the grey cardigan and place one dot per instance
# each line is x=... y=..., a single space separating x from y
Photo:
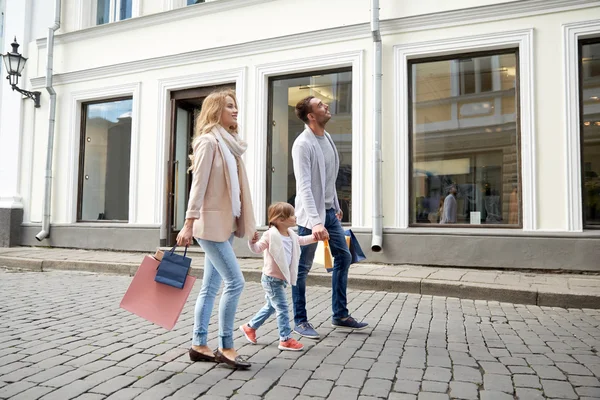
x=309 y=170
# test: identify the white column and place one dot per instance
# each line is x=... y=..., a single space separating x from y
x=17 y=17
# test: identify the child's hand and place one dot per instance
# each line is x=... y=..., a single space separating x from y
x=254 y=238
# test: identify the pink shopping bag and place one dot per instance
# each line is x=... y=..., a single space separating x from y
x=156 y=302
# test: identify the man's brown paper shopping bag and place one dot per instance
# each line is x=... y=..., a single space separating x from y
x=156 y=302
x=323 y=256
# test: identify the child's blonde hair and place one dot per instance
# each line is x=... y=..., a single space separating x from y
x=279 y=210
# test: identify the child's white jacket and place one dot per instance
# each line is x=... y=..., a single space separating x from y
x=271 y=245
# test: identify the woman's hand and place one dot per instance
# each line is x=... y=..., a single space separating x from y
x=185 y=236
x=254 y=238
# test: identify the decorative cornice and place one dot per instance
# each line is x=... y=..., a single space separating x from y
x=151 y=20
x=498 y=12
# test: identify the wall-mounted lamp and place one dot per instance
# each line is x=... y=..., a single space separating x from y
x=15 y=63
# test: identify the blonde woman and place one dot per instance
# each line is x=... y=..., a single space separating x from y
x=219 y=208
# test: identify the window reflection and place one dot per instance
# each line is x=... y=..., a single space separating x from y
x=464 y=137
x=334 y=89
x=590 y=93
x=106 y=145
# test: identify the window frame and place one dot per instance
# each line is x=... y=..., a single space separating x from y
x=81 y=163
x=580 y=44
x=269 y=138
x=87 y=12
x=409 y=104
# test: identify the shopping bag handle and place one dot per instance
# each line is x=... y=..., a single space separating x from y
x=184 y=252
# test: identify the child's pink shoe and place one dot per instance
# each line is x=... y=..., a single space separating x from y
x=249 y=333
x=291 y=345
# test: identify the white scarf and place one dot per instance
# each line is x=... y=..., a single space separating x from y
x=236 y=202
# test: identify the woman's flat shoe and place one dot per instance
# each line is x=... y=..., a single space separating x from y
x=197 y=356
x=240 y=362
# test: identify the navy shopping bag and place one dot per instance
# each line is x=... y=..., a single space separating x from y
x=173 y=269
x=355 y=250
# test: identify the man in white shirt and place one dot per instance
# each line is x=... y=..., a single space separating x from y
x=450 y=208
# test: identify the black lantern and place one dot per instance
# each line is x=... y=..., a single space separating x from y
x=15 y=63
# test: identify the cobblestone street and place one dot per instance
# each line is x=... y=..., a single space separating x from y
x=63 y=336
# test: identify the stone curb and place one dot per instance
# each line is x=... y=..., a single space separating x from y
x=429 y=287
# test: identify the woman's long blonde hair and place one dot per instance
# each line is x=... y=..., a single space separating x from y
x=210 y=115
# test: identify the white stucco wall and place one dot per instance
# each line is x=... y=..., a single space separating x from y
x=262 y=21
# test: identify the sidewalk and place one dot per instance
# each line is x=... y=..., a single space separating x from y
x=538 y=288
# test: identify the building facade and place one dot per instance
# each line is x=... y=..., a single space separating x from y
x=490 y=120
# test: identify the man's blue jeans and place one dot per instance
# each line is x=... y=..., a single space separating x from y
x=339 y=278
x=276 y=303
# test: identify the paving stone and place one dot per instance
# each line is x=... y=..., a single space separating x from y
x=573 y=369
x=548 y=372
x=352 y=377
x=361 y=363
x=438 y=374
x=152 y=379
x=114 y=384
x=583 y=380
x=498 y=383
x=126 y=394
x=295 y=378
x=342 y=393
x=329 y=372
x=376 y=388
x=281 y=392
x=559 y=389
x=527 y=381
x=401 y=396
x=48 y=374
x=191 y=391
x=494 y=368
x=411 y=374
x=65 y=379
x=316 y=387
x=159 y=391
x=382 y=371
x=521 y=370
x=529 y=394
x=405 y=386
x=431 y=386
x=432 y=396
x=467 y=374
x=463 y=390
x=33 y=393
x=226 y=388
x=257 y=386
x=15 y=388
x=69 y=391
x=90 y=396
x=105 y=374
x=494 y=395
x=584 y=391
x=512 y=361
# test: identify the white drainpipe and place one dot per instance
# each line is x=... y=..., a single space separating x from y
x=377 y=236
x=45 y=232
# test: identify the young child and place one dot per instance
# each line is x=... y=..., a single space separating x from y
x=281 y=248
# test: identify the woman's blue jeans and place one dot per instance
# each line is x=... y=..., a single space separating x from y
x=276 y=302
x=220 y=265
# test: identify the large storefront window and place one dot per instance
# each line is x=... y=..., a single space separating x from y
x=105 y=161
x=590 y=135
x=465 y=140
x=333 y=88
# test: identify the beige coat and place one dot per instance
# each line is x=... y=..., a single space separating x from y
x=210 y=197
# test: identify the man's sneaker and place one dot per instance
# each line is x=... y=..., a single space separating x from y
x=349 y=323
x=249 y=333
x=305 y=329
x=291 y=345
